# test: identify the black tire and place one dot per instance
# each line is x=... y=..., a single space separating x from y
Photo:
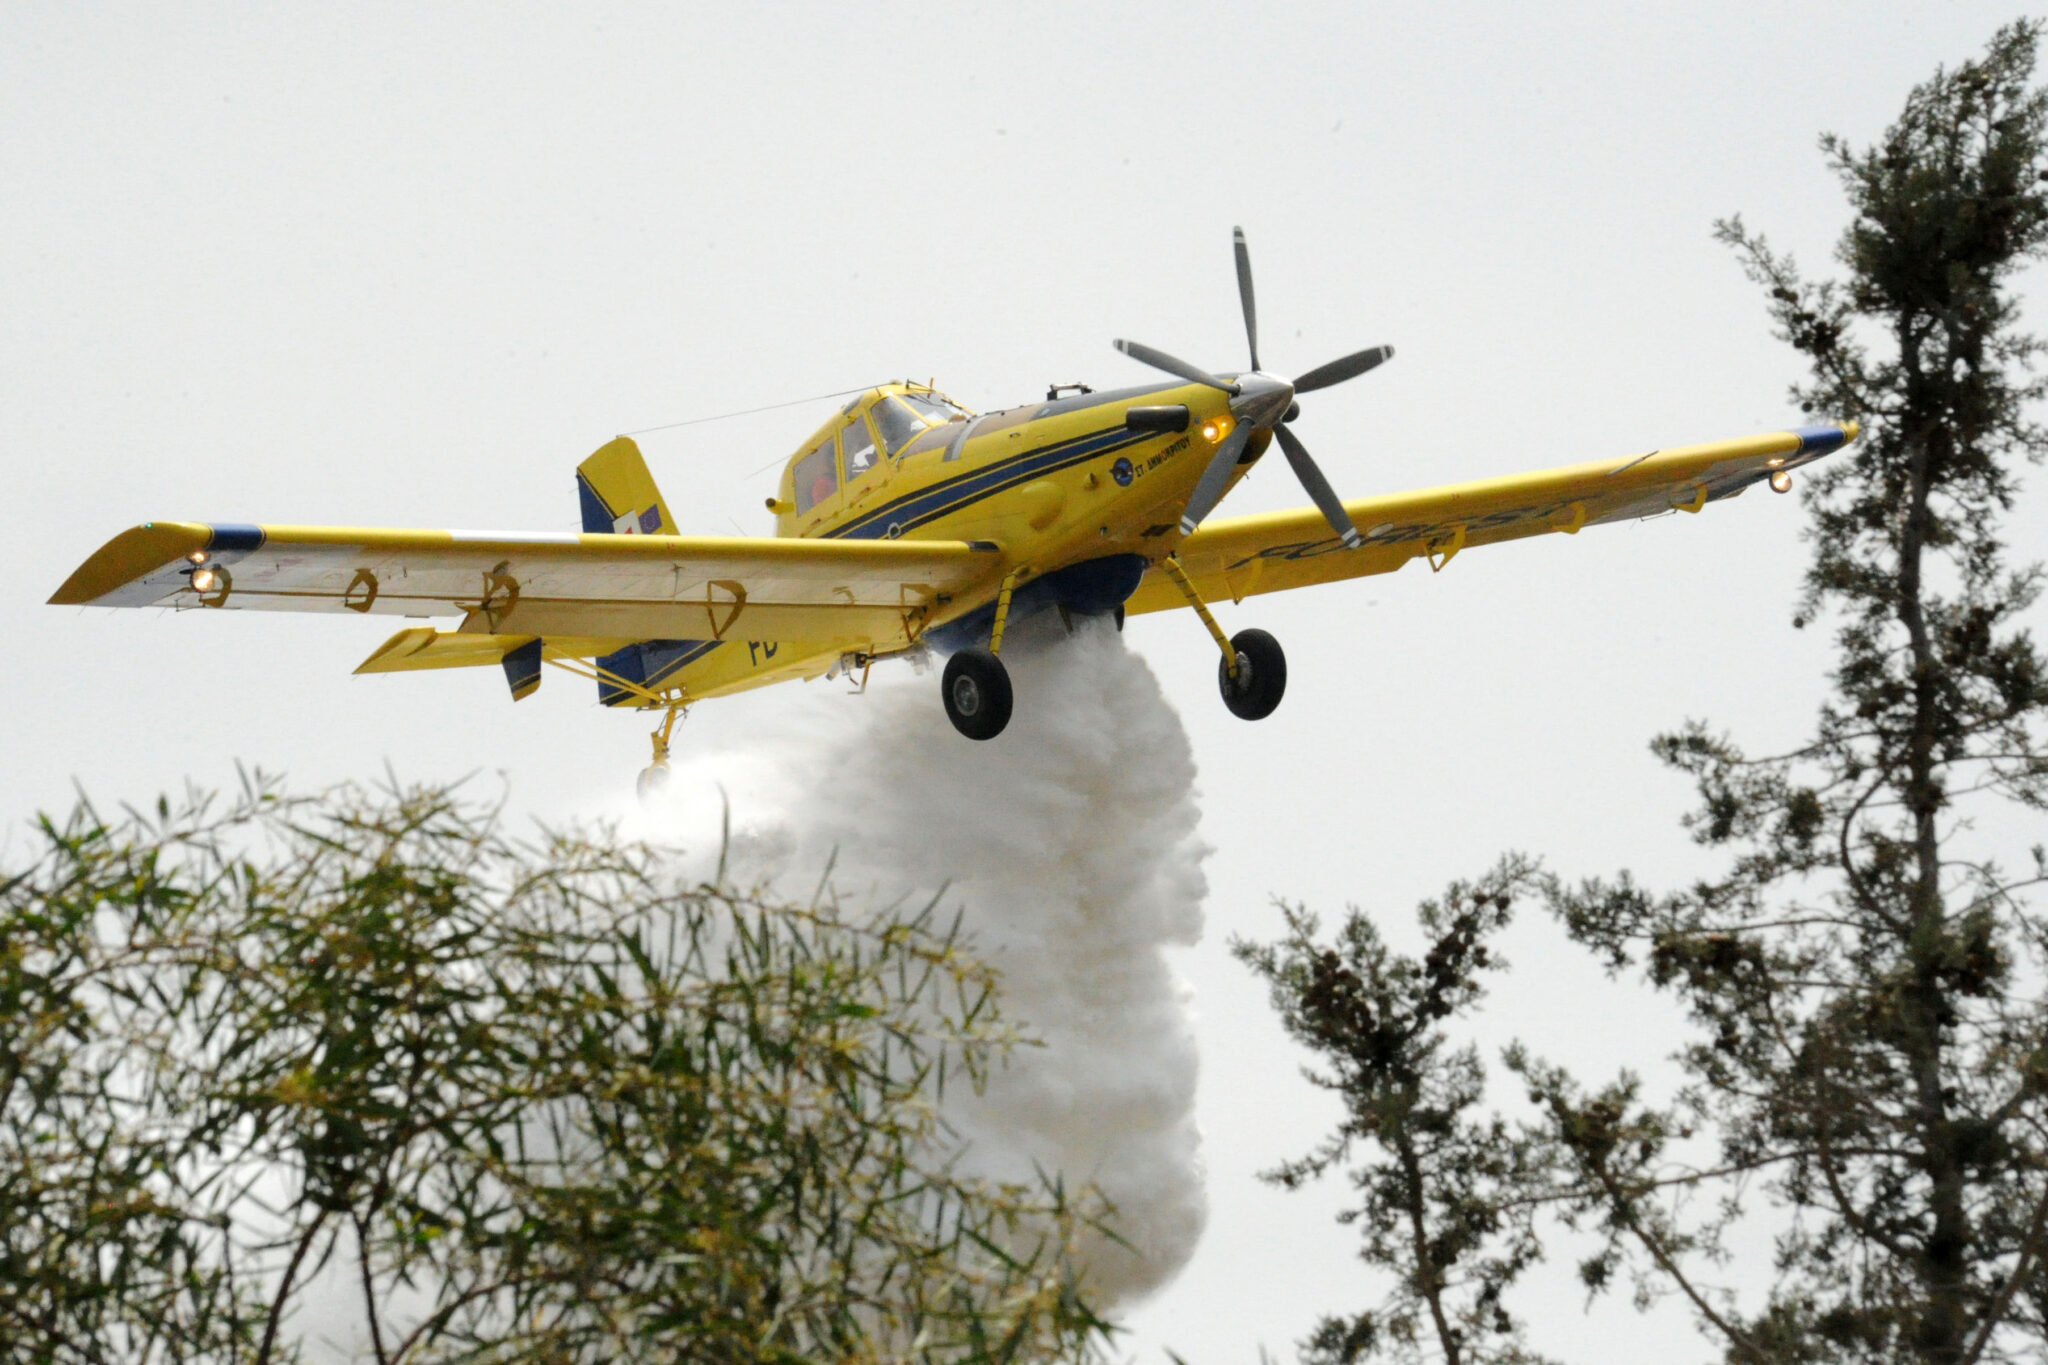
x=976 y=689
x=1261 y=675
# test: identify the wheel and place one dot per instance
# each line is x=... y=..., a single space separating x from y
x=976 y=689
x=1261 y=675
x=653 y=779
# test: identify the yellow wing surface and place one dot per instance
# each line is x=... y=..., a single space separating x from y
x=1239 y=556
x=584 y=594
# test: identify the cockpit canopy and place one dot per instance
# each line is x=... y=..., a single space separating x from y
x=882 y=423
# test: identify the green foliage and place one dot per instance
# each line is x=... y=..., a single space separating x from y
x=1865 y=976
x=521 y=1100
x=1442 y=1188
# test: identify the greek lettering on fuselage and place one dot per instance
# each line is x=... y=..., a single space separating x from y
x=1424 y=532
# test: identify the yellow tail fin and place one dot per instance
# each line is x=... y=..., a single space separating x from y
x=618 y=494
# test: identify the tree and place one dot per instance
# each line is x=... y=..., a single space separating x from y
x=1449 y=1192
x=1866 y=974
x=529 y=1100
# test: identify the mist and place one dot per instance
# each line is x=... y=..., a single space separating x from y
x=1069 y=846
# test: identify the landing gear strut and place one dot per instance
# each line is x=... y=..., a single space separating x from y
x=654 y=777
x=1253 y=673
x=976 y=686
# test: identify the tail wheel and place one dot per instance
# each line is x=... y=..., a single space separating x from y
x=1255 y=689
x=976 y=689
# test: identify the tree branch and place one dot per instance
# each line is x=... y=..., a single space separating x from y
x=284 y=1288
x=2029 y=1249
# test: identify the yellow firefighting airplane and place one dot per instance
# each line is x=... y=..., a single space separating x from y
x=907 y=524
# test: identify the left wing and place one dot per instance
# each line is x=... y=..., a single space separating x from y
x=1239 y=556
x=507 y=584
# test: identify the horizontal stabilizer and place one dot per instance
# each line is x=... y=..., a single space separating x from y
x=424 y=647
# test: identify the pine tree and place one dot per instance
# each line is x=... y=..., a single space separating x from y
x=1866 y=975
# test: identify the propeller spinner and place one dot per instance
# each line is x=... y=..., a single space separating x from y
x=1260 y=400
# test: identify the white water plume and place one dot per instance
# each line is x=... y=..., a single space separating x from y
x=1069 y=844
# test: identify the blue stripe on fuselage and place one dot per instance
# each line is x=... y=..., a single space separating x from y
x=927 y=504
x=647 y=663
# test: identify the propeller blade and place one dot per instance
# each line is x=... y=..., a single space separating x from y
x=1244 y=292
x=1209 y=488
x=1160 y=360
x=1318 y=487
x=1337 y=371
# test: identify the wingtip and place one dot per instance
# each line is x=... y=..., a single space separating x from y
x=129 y=556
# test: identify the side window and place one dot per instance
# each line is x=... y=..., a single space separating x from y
x=860 y=449
x=896 y=423
x=817 y=477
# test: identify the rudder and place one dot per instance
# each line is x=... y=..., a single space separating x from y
x=618 y=495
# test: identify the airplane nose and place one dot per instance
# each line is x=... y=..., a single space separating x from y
x=1262 y=400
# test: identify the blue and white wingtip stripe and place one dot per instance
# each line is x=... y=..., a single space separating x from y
x=1825 y=437
x=231 y=536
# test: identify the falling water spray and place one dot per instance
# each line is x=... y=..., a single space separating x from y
x=1069 y=846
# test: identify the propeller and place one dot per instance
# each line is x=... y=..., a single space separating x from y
x=1337 y=371
x=1244 y=291
x=1262 y=400
x=1209 y=488
x=1160 y=360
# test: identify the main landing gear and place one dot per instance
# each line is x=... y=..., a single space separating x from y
x=1253 y=673
x=976 y=686
x=977 y=693
x=654 y=777
x=1254 y=689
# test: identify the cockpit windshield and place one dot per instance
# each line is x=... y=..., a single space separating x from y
x=896 y=423
x=901 y=417
x=935 y=408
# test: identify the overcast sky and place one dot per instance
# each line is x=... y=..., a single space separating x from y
x=406 y=265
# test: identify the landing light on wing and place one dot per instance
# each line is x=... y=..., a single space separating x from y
x=205 y=580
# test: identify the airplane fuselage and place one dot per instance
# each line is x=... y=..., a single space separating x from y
x=1071 y=500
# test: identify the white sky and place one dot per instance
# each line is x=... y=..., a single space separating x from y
x=405 y=265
